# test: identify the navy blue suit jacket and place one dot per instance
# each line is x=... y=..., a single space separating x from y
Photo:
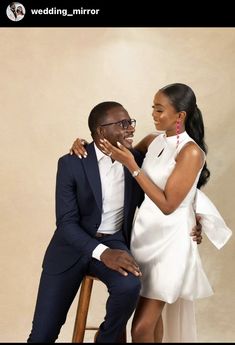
x=79 y=209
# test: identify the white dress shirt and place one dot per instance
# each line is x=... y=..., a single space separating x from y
x=112 y=185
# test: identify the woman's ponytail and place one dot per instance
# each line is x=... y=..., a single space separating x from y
x=183 y=98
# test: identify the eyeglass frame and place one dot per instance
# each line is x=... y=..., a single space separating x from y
x=131 y=122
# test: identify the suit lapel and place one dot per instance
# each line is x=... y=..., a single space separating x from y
x=92 y=172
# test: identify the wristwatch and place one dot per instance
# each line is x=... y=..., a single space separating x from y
x=136 y=172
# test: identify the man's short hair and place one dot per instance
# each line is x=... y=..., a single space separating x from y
x=98 y=114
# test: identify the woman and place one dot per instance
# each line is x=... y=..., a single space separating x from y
x=173 y=168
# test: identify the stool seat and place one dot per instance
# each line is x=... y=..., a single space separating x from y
x=82 y=311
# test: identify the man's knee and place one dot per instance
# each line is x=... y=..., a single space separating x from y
x=129 y=285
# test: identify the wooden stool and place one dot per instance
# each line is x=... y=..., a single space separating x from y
x=82 y=311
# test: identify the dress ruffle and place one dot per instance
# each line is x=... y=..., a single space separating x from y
x=212 y=222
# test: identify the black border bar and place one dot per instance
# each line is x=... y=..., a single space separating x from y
x=120 y=13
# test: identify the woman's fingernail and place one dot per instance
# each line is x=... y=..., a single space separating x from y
x=80 y=156
x=118 y=143
x=101 y=140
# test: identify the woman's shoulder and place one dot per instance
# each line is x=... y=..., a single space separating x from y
x=191 y=151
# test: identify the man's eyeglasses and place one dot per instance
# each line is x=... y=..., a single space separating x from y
x=124 y=124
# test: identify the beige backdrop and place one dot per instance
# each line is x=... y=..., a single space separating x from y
x=50 y=79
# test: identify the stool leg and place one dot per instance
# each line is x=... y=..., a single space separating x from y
x=82 y=310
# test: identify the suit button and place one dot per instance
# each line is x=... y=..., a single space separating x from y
x=96 y=226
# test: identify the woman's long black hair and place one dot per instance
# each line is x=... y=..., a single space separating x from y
x=183 y=98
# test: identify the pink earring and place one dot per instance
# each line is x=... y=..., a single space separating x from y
x=178 y=132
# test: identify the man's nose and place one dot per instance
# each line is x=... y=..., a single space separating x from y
x=131 y=128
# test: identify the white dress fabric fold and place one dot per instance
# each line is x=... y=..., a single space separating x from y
x=166 y=253
x=179 y=322
x=212 y=222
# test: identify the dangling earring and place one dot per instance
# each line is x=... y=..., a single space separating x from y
x=177 y=132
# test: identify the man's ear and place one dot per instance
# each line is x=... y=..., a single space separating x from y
x=100 y=131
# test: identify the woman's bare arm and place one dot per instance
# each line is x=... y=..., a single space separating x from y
x=143 y=144
x=188 y=163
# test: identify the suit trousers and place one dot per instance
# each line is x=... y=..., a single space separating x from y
x=57 y=292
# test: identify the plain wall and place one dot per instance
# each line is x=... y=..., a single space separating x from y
x=50 y=79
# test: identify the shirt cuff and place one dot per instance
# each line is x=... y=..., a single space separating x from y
x=98 y=251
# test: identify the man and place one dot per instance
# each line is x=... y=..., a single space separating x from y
x=95 y=203
x=96 y=199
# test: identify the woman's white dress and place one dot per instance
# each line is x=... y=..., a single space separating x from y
x=161 y=244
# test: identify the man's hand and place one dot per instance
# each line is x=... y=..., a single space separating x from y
x=78 y=148
x=197 y=230
x=120 y=261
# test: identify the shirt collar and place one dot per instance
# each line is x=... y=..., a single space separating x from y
x=99 y=153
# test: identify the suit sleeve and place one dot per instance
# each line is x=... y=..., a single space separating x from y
x=67 y=212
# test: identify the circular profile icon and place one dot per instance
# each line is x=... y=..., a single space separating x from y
x=15 y=11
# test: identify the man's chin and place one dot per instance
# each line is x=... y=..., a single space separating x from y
x=127 y=144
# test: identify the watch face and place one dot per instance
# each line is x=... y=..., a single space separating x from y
x=136 y=173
